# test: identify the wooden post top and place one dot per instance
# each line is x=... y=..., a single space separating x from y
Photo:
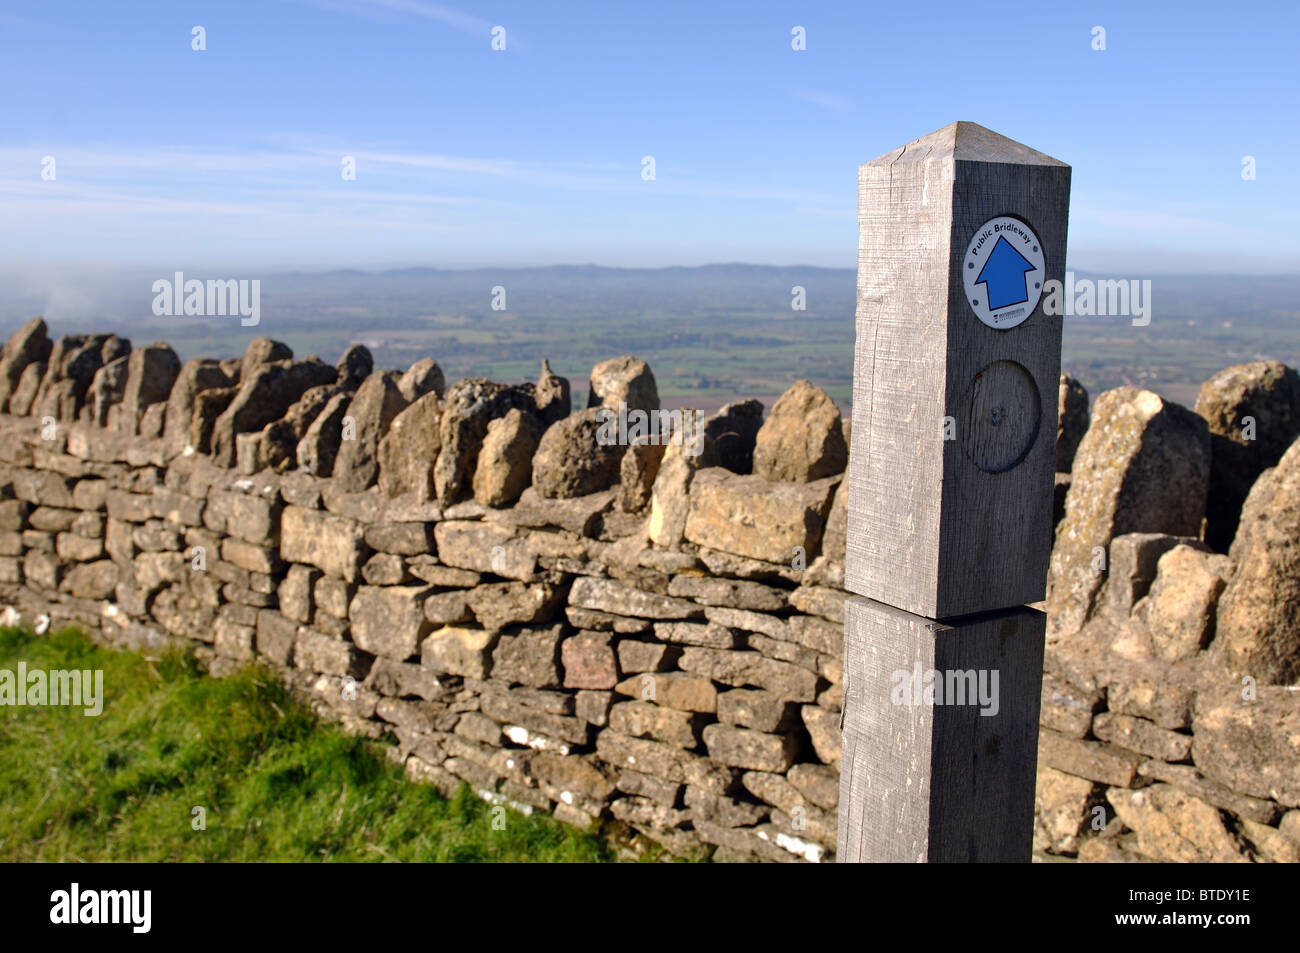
x=956 y=373
x=966 y=142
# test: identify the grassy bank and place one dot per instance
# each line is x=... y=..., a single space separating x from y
x=274 y=782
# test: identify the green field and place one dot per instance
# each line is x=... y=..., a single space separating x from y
x=274 y=784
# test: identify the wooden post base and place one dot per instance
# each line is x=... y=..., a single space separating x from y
x=940 y=731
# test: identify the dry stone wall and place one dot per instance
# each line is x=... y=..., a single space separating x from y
x=644 y=633
x=1170 y=726
x=466 y=571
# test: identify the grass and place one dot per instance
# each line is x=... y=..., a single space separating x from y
x=276 y=783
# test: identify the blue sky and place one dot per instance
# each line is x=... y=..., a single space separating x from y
x=166 y=157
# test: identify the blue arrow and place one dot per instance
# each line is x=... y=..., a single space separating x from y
x=1003 y=276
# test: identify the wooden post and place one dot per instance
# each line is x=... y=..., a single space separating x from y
x=950 y=497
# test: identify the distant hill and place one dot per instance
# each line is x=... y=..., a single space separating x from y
x=712 y=333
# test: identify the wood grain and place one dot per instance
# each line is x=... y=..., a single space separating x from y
x=932 y=782
x=948 y=527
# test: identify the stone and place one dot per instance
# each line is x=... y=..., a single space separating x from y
x=817 y=634
x=672 y=690
x=802 y=439
x=528 y=656
x=731 y=593
x=755 y=750
x=277 y=443
x=1137 y=446
x=402 y=539
x=69 y=373
x=402 y=679
x=625 y=381
x=275 y=636
x=234 y=640
x=1065 y=708
x=757 y=709
x=820 y=601
x=1250 y=746
x=447 y=608
x=577 y=456
x=505 y=461
x=1142 y=736
x=195 y=376
x=259 y=353
x=295 y=592
x=484 y=548
x=606 y=595
x=389 y=620
x=107 y=389
x=91 y=580
x=421 y=378
x=366 y=422
x=819 y=783
x=470 y=405
x=1062 y=810
x=408 y=451
x=1179 y=610
x=752 y=517
x=497 y=605
x=553 y=401
x=151 y=372
x=1187 y=778
x=823 y=727
x=1257 y=629
x=1253 y=413
x=593 y=706
x=29 y=344
x=317 y=450
x=24 y=395
x=459 y=650
x=333 y=544
x=355 y=365
x=1174 y=827
x=707 y=634
x=640 y=719
x=1270 y=845
x=752 y=622
x=1071 y=421
x=635 y=656
x=1152 y=689
x=662 y=761
x=265 y=395
x=749 y=669
x=637 y=472
x=670 y=495
x=730 y=436
x=582 y=516
x=541 y=730
x=254 y=519
x=385 y=569
x=645 y=785
x=209 y=405
x=151 y=421
x=1104 y=763
x=1130 y=571
x=332 y=596
x=589 y=662
x=320 y=653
